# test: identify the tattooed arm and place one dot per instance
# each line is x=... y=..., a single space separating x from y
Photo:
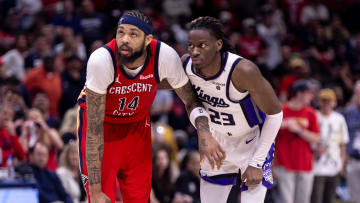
x=208 y=146
x=95 y=111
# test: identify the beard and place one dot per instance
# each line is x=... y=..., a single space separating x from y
x=132 y=57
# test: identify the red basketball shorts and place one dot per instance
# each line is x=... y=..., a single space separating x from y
x=126 y=158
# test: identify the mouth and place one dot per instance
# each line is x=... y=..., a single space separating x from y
x=196 y=61
x=125 y=50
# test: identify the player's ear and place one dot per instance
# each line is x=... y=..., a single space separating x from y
x=219 y=44
x=148 y=39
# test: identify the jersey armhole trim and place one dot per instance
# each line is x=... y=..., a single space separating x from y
x=156 y=63
x=229 y=80
x=114 y=62
x=186 y=63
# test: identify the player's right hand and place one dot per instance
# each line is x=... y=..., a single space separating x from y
x=99 y=197
x=211 y=149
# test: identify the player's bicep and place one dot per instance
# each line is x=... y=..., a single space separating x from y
x=247 y=76
x=99 y=71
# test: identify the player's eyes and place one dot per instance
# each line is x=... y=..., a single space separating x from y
x=133 y=35
x=203 y=45
x=190 y=46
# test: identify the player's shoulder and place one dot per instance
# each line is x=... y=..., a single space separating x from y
x=167 y=52
x=99 y=55
x=245 y=69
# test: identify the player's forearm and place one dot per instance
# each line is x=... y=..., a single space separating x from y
x=189 y=98
x=94 y=137
x=267 y=137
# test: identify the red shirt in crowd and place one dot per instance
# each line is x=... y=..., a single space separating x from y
x=293 y=152
x=37 y=79
x=10 y=145
x=286 y=84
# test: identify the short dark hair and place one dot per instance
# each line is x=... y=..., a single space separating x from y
x=216 y=28
x=299 y=86
x=139 y=14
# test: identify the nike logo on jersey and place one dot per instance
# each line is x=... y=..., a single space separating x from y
x=213 y=101
x=248 y=141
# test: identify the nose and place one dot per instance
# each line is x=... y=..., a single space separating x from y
x=195 y=52
x=125 y=39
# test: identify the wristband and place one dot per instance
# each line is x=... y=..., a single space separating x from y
x=196 y=112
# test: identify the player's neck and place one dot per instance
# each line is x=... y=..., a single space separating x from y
x=213 y=68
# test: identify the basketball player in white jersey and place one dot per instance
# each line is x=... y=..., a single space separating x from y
x=244 y=111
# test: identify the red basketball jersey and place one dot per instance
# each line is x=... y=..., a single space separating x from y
x=129 y=98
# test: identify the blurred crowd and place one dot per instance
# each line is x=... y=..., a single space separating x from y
x=309 y=50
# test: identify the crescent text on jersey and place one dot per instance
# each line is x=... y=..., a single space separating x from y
x=135 y=87
x=213 y=101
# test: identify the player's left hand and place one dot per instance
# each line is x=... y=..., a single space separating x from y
x=252 y=176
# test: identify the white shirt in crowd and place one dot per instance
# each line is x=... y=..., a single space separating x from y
x=334 y=132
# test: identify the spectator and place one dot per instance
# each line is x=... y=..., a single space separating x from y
x=47 y=80
x=272 y=35
x=92 y=24
x=69 y=173
x=67 y=19
x=251 y=45
x=49 y=185
x=188 y=183
x=330 y=153
x=68 y=128
x=352 y=116
x=36 y=130
x=41 y=102
x=299 y=70
x=14 y=59
x=70 y=45
x=294 y=156
x=16 y=102
x=35 y=56
x=72 y=80
x=9 y=141
x=164 y=174
x=315 y=11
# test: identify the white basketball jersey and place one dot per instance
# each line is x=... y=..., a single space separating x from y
x=231 y=112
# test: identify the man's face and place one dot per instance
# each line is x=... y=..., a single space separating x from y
x=203 y=47
x=326 y=104
x=307 y=96
x=6 y=114
x=131 y=42
x=40 y=156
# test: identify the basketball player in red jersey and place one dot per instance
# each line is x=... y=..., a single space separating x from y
x=114 y=123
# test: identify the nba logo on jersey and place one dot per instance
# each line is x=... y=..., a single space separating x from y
x=200 y=111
